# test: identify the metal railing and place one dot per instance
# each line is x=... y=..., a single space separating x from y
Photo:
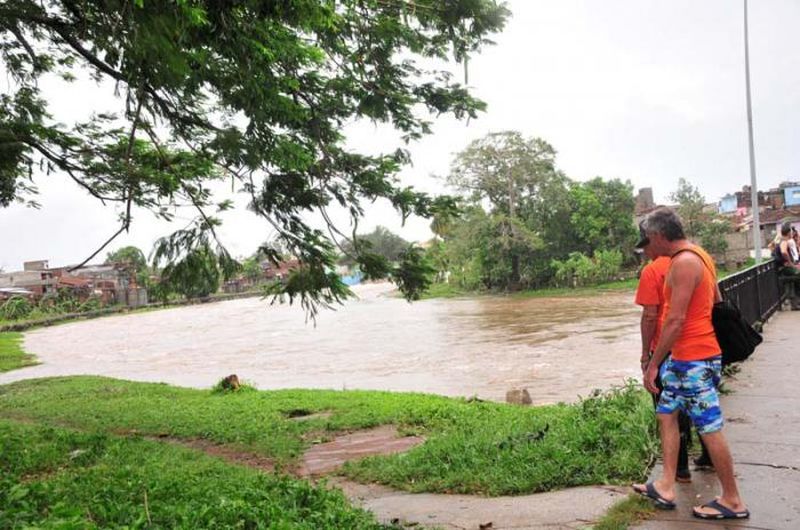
x=756 y=290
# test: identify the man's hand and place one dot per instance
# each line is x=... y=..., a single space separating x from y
x=644 y=361
x=650 y=378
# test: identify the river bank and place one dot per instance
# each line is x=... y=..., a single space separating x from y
x=91 y=438
x=457 y=347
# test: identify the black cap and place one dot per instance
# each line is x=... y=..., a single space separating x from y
x=643 y=239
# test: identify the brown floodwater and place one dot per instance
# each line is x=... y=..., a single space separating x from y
x=558 y=348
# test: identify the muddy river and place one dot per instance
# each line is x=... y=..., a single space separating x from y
x=557 y=348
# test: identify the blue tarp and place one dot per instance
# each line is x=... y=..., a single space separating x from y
x=353 y=279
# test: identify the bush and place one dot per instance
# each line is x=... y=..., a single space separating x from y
x=16 y=307
x=579 y=270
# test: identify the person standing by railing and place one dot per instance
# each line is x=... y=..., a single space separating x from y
x=786 y=254
x=650 y=295
x=691 y=374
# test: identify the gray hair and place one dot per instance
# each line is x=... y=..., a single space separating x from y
x=665 y=222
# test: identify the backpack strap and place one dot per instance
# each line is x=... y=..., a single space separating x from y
x=710 y=269
x=702 y=258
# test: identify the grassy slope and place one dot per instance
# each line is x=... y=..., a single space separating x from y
x=444 y=290
x=58 y=478
x=475 y=447
x=12 y=356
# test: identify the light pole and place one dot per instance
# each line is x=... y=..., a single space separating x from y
x=753 y=183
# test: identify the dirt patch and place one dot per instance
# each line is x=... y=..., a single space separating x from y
x=324 y=458
x=226 y=452
x=319 y=460
x=308 y=416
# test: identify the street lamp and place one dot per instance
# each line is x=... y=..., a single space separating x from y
x=753 y=183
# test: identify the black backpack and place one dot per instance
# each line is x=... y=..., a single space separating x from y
x=736 y=337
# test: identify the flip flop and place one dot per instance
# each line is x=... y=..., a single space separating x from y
x=724 y=512
x=651 y=493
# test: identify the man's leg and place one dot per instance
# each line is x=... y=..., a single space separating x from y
x=670 y=440
x=670 y=444
x=685 y=429
x=703 y=460
x=723 y=463
x=707 y=416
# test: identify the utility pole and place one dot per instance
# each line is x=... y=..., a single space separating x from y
x=753 y=182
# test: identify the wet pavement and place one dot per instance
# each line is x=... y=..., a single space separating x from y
x=558 y=348
x=324 y=458
x=762 y=425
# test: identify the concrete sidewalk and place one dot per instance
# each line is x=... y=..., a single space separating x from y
x=762 y=425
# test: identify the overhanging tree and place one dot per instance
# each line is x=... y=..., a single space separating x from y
x=252 y=91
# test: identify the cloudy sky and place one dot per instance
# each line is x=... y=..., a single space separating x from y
x=643 y=90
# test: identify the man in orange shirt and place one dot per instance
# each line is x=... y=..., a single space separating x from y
x=691 y=374
x=650 y=295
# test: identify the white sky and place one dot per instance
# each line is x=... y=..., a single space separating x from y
x=644 y=90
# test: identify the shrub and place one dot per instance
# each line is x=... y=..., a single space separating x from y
x=16 y=307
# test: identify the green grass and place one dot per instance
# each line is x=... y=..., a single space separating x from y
x=472 y=447
x=58 y=478
x=444 y=290
x=618 y=285
x=625 y=513
x=12 y=356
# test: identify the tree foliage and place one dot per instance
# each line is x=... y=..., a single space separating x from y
x=690 y=203
x=510 y=171
x=708 y=229
x=526 y=224
x=380 y=241
x=251 y=91
x=129 y=255
x=602 y=215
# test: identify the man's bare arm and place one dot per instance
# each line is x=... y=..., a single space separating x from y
x=648 y=326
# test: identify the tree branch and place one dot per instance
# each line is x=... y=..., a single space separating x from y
x=96 y=252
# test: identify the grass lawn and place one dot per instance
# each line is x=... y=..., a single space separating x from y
x=445 y=290
x=12 y=355
x=472 y=447
x=626 y=513
x=60 y=478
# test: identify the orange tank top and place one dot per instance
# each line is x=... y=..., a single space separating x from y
x=697 y=339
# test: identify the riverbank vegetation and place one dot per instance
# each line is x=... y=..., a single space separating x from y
x=12 y=356
x=524 y=225
x=625 y=513
x=471 y=446
x=54 y=477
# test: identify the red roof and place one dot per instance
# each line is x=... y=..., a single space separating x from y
x=72 y=281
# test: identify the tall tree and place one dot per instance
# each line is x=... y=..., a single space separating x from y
x=509 y=171
x=257 y=92
x=602 y=215
x=690 y=203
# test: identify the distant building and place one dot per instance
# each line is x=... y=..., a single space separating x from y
x=271 y=272
x=728 y=204
x=791 y=194
x=644 y=201
x=111 y=283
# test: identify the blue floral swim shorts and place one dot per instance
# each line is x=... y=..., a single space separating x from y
x=692 y=387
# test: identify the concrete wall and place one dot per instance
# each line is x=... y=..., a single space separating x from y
x=740 y=247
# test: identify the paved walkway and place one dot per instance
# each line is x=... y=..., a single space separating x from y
x=763 y=428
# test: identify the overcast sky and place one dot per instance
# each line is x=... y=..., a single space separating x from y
x=643 y=90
